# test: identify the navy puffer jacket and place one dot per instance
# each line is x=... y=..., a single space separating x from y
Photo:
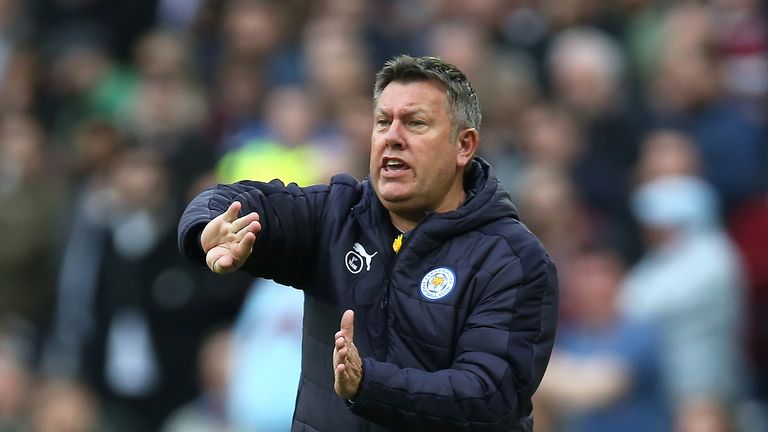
x=455 y=330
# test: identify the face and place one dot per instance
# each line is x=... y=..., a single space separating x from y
x=415 y=164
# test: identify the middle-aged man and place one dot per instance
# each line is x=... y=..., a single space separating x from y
x=448 y=303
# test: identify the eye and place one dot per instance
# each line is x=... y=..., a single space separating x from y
x=417 y=123
x=382 y=123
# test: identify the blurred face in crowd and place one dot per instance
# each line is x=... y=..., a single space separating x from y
x=21 y=146
x=686 y=80
x=140 y=179
x=291 y=113
x=550 y=137
x=416 y=164
x=14 y=382
x=64 y=406
x=595 y=281
x=251 y=29
x=666 y=153
x=338 y=61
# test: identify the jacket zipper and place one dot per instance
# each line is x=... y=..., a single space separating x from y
x=384 y=304
x=387 y=278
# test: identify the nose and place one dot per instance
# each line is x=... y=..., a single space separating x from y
x=393 y=137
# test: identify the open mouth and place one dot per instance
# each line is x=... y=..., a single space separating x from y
x=394 y=164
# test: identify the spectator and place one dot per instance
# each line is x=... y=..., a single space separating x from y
x=83 y=81
x=272 y=313
x=208 y=412
x=548 y=198
x=587 y=70
x=748 y=226
x=16 y=375
x=29 y=194
x=690 y=285
x=266 y=338
x=62 y=405
x=605 y=373
x=165 y=112
x=667 y=153
x=150 y=311
x=237 y=100
x=337 y=64
x=689 y=95
x=291 y=141
x=741 y=38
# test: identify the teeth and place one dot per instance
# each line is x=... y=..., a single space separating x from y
x=393 y=163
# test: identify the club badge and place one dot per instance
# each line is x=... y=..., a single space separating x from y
x=438 y=283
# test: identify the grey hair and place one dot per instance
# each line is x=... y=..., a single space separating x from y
x=462 y=99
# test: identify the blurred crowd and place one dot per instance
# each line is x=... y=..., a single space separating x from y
x=632 y=135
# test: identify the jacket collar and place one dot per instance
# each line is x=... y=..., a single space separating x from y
x=486 y=201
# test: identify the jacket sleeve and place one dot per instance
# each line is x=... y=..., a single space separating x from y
x=500 y=359
x=289 y=218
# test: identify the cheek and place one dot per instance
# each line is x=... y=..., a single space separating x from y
x=443 y=160
x=375 y=153
x=373 y=161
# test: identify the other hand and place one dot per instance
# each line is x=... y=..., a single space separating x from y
x=347 y=365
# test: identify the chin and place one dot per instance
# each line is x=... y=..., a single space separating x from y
x=397 y=196
x=394 y=202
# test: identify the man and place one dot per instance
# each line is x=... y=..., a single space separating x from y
x=447 y=302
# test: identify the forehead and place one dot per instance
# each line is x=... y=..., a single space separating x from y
x=414 y=95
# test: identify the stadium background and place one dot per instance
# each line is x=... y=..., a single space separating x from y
x=114 y=113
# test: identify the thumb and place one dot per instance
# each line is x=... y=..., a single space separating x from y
x=347 y=324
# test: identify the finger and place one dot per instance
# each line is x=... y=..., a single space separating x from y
x=243 y=249
x=232 y=212
x=223 y=264
x=210 y=261
x=253 y=227
x=340 y=342
x=335 y=358
x=239 y=224
x=341 y=355
x=347 y=324
x=351 y=348
x=341 y=372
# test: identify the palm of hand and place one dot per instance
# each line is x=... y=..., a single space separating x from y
x=347 y=364
x=228 y=240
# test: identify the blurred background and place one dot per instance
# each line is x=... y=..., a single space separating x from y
x=632 y=135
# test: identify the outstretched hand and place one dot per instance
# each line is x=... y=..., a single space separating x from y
x=347 y=365
x=228 y=240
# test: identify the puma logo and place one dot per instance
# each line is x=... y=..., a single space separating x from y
x=366 y=256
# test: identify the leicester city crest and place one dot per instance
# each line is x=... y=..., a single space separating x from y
x=438 y=283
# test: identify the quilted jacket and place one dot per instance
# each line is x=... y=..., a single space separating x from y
x=455 y=330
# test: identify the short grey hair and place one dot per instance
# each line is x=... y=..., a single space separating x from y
x=462 y=99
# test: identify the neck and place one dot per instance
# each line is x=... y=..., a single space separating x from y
x=406 y=221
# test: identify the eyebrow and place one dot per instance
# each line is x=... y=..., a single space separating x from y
x=406 y=111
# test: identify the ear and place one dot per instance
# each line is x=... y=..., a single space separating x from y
x=467 y=140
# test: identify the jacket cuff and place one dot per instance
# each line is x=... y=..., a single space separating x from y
x=191 y=246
